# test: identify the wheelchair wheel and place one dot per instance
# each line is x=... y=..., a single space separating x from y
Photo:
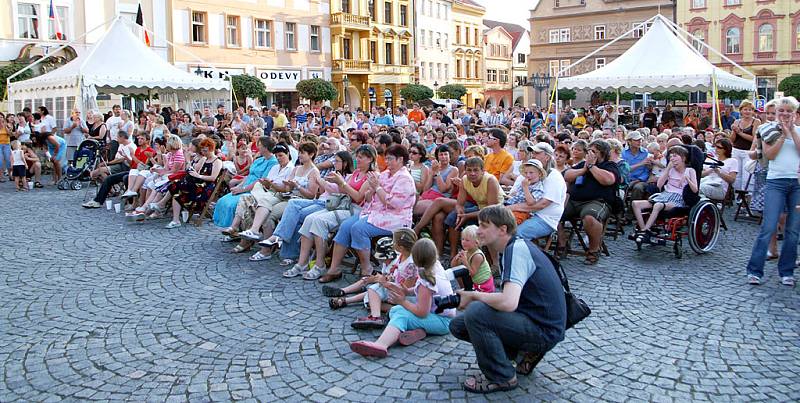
x=704 y=222
x=76 y=185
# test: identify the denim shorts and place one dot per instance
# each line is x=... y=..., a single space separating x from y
x=469 y=207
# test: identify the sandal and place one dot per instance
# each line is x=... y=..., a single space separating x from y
x=230 y=231
x=528 y=362
x=369 y=349
x=38 y=185
x=329 y=291
x=410 y=337
x=328 y=277
x=592 y=257
x=337 y=303
x=287 y=262
x=253 y=236
x=295 y=271
x=479 y=384
x=314 y=273
x=258 y=256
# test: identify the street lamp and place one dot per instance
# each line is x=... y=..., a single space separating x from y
x=540 y=82
x=435 y=88
x=346 y=85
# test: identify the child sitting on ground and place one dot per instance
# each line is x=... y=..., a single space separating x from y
x=18 y=167
x=470 y=266
x=412 y=321
x=398 y=268
x=674 y=179
x=527 y=190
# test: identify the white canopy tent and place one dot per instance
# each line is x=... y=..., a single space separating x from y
x=119 y=63
x=662 y=60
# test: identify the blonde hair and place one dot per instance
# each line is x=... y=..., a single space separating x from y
x=174 y=142
x=425 y=258
x=477 y=150
x=746 y=104
x=653 y=147
x=404 y=238
x=160 y=119
x=791 y=102
x=470 y=232
x=15 y=145
x=615 y=145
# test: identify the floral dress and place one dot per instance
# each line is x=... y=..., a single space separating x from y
x=193 y=193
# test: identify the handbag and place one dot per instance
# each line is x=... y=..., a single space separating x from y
x=338 y=201
x=577 y=309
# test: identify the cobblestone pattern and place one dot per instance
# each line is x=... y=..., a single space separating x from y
x=95 y=308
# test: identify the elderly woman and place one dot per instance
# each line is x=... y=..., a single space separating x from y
x=546 y=212
x=194 y=190
x=390 y=201
x=225 y=209
x=781 y=190
x=96 y=126
x=716 y=180
x=520 y=156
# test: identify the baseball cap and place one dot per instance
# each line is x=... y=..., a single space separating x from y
x=543 y=147
x=634 y=135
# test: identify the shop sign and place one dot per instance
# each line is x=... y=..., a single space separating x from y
x=215 y=73
x=282 y=79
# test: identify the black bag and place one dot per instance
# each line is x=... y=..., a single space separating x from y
x=577 y=309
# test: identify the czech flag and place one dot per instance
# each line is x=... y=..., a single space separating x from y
x=56 y=23
x=140 y=21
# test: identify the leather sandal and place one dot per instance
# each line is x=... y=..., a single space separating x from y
x=528 y=362
x=592 y=257
x=328 y=277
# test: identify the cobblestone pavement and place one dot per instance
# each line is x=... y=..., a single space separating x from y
x=95 y=308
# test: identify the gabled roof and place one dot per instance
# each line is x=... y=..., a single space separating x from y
x=514 y=30
x=471 y=3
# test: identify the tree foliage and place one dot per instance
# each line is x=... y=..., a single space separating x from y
x=452 y=91
x=317 y=90
x=567 y=95
x=610 y=96
x=670 y=96
x=7 y=71
x=245 y=86
x=416 y=92
x=790 y=86
x=734 y=95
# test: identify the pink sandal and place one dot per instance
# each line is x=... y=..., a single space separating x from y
x=369 y=349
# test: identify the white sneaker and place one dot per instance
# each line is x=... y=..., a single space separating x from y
x=295 y=271
x=787 y=281
x=92 y=204
x=128 y=194
x=172 y=224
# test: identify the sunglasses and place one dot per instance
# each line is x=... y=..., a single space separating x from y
x=414 y=152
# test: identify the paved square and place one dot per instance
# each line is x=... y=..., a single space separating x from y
x=95 y=308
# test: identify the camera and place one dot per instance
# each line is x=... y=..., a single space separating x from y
x=447 y=302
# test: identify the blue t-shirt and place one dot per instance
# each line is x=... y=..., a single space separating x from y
x=641 y=173
x=384 y=120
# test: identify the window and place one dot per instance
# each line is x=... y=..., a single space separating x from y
x=477 y=42
x=28 y=20
x=599 y=32
x=439 y=40
x=438 y=71
x=699 y=38
x=403 y=15
x=564 y=65
x=263 y=33
x=561 y=35
x=404 y=54
x=503 y=76
x=765 y=35
x=476 y=70
x=232 y=30
x=797 y=37
x=698 y=3
x=347 y=52
x=371 y=9
x=315 y=46
x=346 y=6
x=766 y=86
x=199 y=27
x=733 y=2
x=373 y=51
x=446 y=72
x=491 y=75
x=422 y=37
x=469 y=71
x=564 y=34
x=599 y=62
x=520 y=58
x=445 y=44
x=430 y=38
x=458 y=68
x=291 y=37
x=61 y=13
x=388 y=56
x=387 y=12
x=422 y=70
x=733 y=40
x=458 y=34
x=553 y=68
x=553 y=36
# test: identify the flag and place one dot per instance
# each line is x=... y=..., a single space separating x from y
x=55 y=22
x=140 y=21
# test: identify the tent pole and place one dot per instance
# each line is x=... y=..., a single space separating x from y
x=556 y=110
x=617 y=109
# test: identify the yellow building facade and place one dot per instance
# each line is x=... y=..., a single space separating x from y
x=762 y=36
x=281 y=42
x=372 y=51
x=497 y=49
x=467 y=46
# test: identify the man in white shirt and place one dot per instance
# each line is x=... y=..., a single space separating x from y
x=122 y=160
x=400 y=118
x=112 y=124
x=74 y=129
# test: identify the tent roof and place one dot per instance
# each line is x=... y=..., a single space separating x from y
x=659 y=61
x=122 y=63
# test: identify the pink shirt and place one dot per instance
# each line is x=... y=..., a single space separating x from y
x=401 y=194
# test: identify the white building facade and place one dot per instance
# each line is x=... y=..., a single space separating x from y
x=433 y=42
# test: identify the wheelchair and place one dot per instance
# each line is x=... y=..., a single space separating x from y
x=699 y=221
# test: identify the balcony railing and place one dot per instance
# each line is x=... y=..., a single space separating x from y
x=352 y=66
x=350 y=20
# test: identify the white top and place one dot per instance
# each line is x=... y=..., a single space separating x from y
x=126 y=151
x=555 y=190
x=729 y=165
x=49 y=123
x=441 y=289
x=18 y=158
x=278 y=175
x=785 y=165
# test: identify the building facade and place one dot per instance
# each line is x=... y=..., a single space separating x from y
x=762 y=36
x=497 y=48
x=564 y=31
x=372 y=45
x=279 y=41
x=521 y=47
x=467 y=49
x=27 y=34
x=433 y=42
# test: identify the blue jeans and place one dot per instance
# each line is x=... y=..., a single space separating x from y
x=355 y=232
x=288 y=228
x=5 y=157
x=778 y=194
x=534 y=228
x=497 y=337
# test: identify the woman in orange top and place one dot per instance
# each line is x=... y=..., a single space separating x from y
x=5 y=149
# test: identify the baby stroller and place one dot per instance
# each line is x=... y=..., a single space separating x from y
x=83 y=163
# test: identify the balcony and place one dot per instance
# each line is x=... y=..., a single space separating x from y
x=347 y=21
x=347 y=66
